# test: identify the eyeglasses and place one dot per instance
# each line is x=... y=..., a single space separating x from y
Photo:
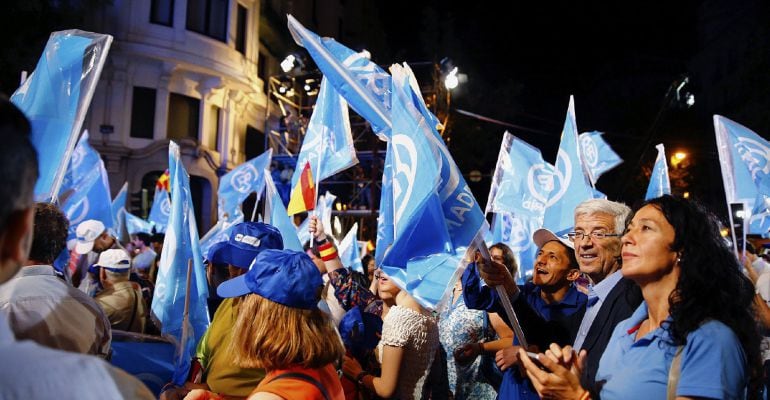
x=578 y=236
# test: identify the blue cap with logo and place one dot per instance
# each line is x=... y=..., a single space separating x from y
x=284 y=276
x=247 y=239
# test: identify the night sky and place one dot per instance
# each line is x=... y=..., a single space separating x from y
x=620 y=59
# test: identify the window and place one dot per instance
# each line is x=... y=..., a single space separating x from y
x=162 y=12
x=240 y=30
x=143 y=113
x=208 y=17
x=183 y=117
x=212 y=130
x=255 y=142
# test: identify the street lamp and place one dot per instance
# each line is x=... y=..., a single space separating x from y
x=677 y=158
x=451 y=80
x=288 y=63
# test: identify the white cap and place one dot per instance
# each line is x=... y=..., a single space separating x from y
x=114 y=259
x=543 y=236
x=86 y=233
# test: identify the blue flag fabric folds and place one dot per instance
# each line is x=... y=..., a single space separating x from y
x=660 y=183
x=516 y=232
x=302 y=231
x=160 y=211
x=328 y=143
x=180 y=245
x=350 y=254
x=85 y=190
x=236 y=185
x=56 y=98
x=598 y=157
x=571 y=185
x=361 y=82
x=276 y=215
x=744 y=158
x=119 y=210
x=385 y=218
x=136 y=224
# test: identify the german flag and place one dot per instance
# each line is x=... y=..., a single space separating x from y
x=303 y=195
x=164 y=182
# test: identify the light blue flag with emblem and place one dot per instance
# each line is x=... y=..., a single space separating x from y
x=328 y=143
x=236 y=185
x=220 y=232
x=744 y=158
x=385 y=217
x=350 y=254
x=570 y=182
x=660 y=184
x=523 y=181
x=119 y=210
x=85 y=189
x=516 y=232
x=56 y=98
x=355 y=77
x=598 y=157
x=302 y=231
x=136 y=224
x=160 y=211
x=181 y=245
x=275 y=215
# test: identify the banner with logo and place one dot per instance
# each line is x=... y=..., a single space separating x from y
x=275 y=215
x=236 y=185
x=160 y=210
x=660 y=183
x=598 y=157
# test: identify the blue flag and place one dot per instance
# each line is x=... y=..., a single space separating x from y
x=598 y=157
x=744 y=158
x=119 y=210
x=324 y=210
x=516 y=233
x=85 y=190
x=236 y=185
x=181 y=245
x=361 y=82
x=56 y=98
x=385 y=217
x=302 y=231
x=160 y=211
x=570 y=184
x=276 y=215
x=660 y=184
x=328 y=143
x=136 y=224
x=350 y=254
x=220 y=232
x=523 y=180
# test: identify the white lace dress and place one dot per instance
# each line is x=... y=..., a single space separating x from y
x=417 y=334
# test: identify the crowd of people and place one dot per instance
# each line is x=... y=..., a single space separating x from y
x=644 y=303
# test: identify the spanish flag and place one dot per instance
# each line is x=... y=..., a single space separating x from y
x=303 y=195
x=164 y=182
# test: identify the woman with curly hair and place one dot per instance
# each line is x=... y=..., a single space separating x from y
x=694 y=336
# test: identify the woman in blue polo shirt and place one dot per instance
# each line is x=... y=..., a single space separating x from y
x=696 y=303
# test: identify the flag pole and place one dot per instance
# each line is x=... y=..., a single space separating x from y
x=185 y=314
x=317 y=187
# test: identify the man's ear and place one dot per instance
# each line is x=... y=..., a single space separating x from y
x=16 y=240
x=573 y=274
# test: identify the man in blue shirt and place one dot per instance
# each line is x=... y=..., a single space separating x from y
x=551 y=294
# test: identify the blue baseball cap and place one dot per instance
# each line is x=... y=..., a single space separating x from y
x=284 y=276
x=247 y=239
x=360 y=330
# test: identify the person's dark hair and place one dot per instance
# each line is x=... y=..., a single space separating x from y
x=365 y=260
x=711 y=285
x=157 y=238
x=18 y=161
x=146 y=238
x=50 y=233
x=508 y=258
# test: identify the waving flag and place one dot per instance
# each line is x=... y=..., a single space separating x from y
x=276 y=215
x=659 y=181
x=385 y=217
x=85 y=190
x=328 y=143
x=236 y=185
x=598 y=157
x=218 y=233
x=136 y=224
x=570 y=183
x=350 y=254
x=160 y=211
x=516 y=233
x=324 y=212
x=524 y=181
x=302 y=231
x=119 y=210
x=56 y=98
x=303 y=195
x=181 y=245
x=361 y=82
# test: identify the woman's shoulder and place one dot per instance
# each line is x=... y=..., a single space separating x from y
x=402 y=313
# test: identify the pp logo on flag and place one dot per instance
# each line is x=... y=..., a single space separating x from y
x=165 y=206
x=518 y=234
x=562 y=177
x=77 y=157
x=243 y=178
x=79 y=212
x=540 y=181
x=590 y=152
x=756 y=155
x=404 y=172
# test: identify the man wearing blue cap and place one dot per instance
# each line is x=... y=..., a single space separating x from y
x=219 y=373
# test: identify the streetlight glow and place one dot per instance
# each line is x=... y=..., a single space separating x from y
x=451 y=81
x=680 y=155
x=288 y=63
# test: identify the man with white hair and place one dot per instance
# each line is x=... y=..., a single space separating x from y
x=121 y=299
